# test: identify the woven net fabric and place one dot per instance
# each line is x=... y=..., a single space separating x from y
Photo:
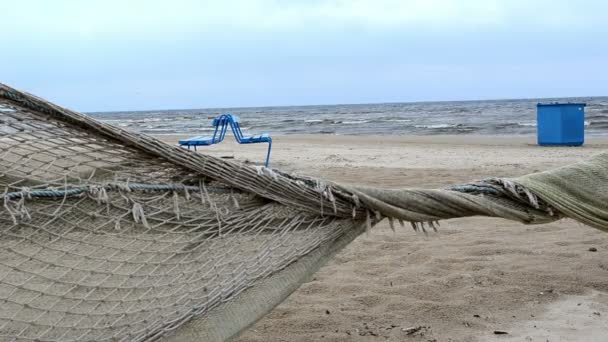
x=101 y=241
x=110 y=235
x=578 y=191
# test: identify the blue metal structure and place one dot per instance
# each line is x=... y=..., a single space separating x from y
x=221 y=124
x=561 y=123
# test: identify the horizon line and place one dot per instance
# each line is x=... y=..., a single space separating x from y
x=350 y=104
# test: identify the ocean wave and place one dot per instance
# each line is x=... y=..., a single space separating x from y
x=461 y=110
x=482 y=117
x=395 y=120
x=167 y=130
x=355 y=122
x=366 y=112
x=598 y=124
x=323 y=121
x=435 y=126
x=527 y=124
x=595 y=117
x=511 y=125
x=534 y=124
x=448 y=128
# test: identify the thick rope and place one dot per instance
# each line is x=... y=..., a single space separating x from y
x=101 y=190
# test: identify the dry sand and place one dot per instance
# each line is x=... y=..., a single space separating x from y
x=477 y=276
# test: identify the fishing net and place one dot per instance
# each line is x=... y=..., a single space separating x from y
x=110 y=235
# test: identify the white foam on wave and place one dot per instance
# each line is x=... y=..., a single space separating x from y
x=435 y=126
x=527 y=124
x=533 y=124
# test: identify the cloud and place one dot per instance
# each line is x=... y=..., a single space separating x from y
x=139 y=54
x=152 y=18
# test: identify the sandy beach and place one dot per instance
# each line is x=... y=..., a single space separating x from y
x=478 y=279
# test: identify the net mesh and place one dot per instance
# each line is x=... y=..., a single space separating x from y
x=118 y=258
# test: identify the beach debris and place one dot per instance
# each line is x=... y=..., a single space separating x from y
x=413 y=330
x=592 y=249
x=546 y=291
x=500 y=332
x=367 y=331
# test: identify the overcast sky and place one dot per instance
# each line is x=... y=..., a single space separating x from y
x=136 y=55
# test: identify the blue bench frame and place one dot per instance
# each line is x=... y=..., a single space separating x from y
x=221 y=124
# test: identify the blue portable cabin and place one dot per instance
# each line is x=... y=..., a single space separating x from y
x=561 y=124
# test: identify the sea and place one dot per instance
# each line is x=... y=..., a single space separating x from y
x=490 y=117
